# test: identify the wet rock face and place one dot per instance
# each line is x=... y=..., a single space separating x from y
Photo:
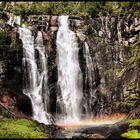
x=54 y=21
x=109 y=39
x=12 y=69
x=117 y=28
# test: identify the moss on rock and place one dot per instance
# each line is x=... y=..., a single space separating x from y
x=22 y=128
x=131 y=134
x=135 y=122
x=133 y=129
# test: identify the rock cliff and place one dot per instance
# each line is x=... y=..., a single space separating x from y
x=114 y=48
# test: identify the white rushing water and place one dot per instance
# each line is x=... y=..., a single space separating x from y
x=89 y=80
x=35 y=78
x=14 y=19
x=69 y=73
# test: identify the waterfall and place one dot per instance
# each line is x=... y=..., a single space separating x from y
x=89 y=81
x=15 y=19
x=69 y=73
x=35 y=78
x=44 y=70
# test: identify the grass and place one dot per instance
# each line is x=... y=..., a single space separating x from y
x=22 y=128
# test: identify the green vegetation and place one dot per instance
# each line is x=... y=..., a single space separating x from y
x=83 y=9
x=13 y=41
x=134 y=128
x=131 y=134
x=109 y=71
x=3 y=37
x=12 y=128
x=130 y=61
x=134 y=51
x=87 y=29
x=115 y=69
x=135 y=122
x=125 y=104
x=134 y=97
x=4 y=113
x=6 y=39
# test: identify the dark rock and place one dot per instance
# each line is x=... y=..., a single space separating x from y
x=103 y=130
x=118 y=129
x=24 y=104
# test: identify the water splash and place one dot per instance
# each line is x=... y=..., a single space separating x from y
x=96 y=121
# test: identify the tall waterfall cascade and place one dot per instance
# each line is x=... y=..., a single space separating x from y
x=69 y=102
x=69 y=72
x=35 y=78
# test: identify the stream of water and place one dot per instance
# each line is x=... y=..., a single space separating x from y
x=69 y=72
x=35 y=78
